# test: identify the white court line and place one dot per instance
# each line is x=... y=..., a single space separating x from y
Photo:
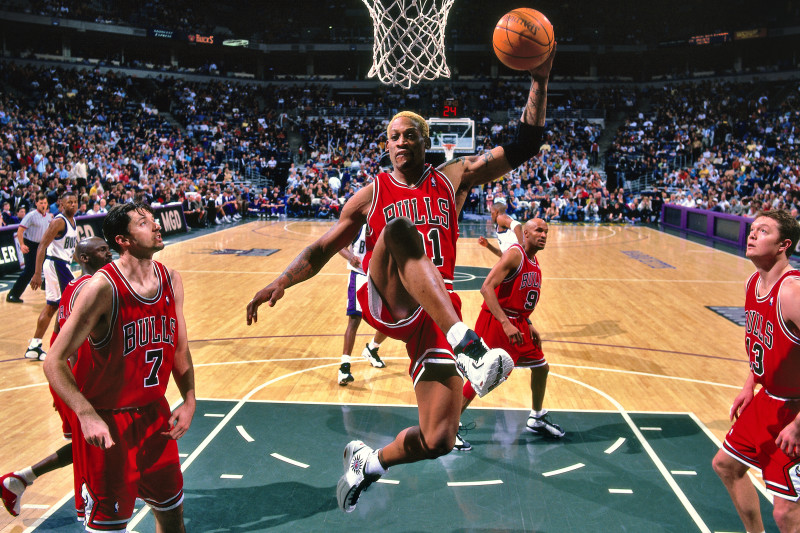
x=214 y=415
x=643 y=428
x=647 y=374
x=620 y=491
x=183 y=455
x=50 y=512
x=287 y=460
x=388 y=481
x=613 y=447
x=11 y=389
x=211 y=436
x=245 y=435
x=563 y=470
x=649 y=450
x=34 y=506
x=474 y=483
x=683 y=472
x=230 y=476
x=752 y=472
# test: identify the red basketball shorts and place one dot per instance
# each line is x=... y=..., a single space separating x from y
x=751 y=440
x=141 y=463
x=425 y=342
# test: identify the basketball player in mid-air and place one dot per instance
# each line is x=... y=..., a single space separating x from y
x=510 y=294
x=92 y=254
x=132 y=312
x=508 y=230
x=766 y=431
x=412 y=214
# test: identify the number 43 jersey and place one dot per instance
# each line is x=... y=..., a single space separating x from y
x=131 y=365
x=772 y=345
x=431 y=206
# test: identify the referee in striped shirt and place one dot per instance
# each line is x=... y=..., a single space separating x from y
x=29 y=234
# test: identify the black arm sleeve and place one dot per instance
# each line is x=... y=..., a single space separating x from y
x=525 y=146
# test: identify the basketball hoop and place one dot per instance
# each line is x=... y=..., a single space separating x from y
x=409 y=40
x=449 y=151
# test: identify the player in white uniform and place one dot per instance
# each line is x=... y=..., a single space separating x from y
x=508 y=230
x=355 y=255
x=53 y=258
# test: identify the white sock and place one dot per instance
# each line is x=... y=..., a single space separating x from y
x=27 y=474
x=34 y=343
x=374 y=465
x=538 y=414
x=374 y=345
x=345 y=358
x=456 y=333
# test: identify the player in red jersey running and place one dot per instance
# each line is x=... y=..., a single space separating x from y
x=132 y=312
x=510 y=293
x=92 y=254
x=766 y=433
x=412 y=214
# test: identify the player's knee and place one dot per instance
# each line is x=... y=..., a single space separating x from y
x=724 y=466
x=439 y=444
x=786 y=515
x=402 y=237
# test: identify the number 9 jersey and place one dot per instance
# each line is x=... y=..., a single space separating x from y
x=773 y=348
x=133 y=362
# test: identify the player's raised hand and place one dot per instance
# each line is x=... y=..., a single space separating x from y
x=270 y=294
x=542 y=72
x=95 y=430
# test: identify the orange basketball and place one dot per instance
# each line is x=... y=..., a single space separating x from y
x=523 y=39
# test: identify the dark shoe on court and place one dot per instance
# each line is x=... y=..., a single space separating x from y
x=355 y=480
x=36 y=353
x=372 y=356
x=345 y=376
x=461 y=445
x=485 y=368
x=11 y=488
x=544 y=427
x=10 y=298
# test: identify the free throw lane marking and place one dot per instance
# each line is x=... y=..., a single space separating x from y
x=620 y=491
x=563 y=470
x=230 y=476
x=388 y=481
x=246 y=436
x=214 y=415
x=683 y=472
x=474 y=483
x=285 y=459
x=613 y=447
x=649 y=429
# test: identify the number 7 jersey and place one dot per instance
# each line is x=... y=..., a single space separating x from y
x=773 y=348
x=431 y=206
x=131 y=365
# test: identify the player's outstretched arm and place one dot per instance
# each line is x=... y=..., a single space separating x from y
x=182 y=369
x=483 y=241
x=509 y=262
x=467 y=172
x=789 y=438
x=89 y=315
x=314 y=256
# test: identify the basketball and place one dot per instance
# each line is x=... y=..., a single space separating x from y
x=523 y=39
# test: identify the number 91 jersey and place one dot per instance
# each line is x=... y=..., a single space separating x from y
x=131 y=365
x=773 y=348
x=431 y=206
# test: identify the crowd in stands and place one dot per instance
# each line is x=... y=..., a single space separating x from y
x=236 y=150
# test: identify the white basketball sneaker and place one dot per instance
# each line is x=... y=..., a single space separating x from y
x=355 y=480
x=485 y=368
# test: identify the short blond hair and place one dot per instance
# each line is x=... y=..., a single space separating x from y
x=418 y=121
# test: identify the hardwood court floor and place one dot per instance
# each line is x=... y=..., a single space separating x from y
x=623 y=315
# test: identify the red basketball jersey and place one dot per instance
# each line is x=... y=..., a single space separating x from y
x=430 y=204
x=518 y=294
x=132 y=364
x=774 y=350
x=64 y=310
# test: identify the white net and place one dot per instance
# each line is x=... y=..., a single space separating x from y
x=409 y=40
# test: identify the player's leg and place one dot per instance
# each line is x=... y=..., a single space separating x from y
x=35 y=349
x=370 y=352
x=406 y=279
x=786 y=514
x=15 y=483
x=439 y=398
x=169 y=521
x=344 y=375
x=538 y=421
x=743 y=494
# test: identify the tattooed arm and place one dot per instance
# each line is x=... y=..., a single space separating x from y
x=315 y=255
x=468 y=172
